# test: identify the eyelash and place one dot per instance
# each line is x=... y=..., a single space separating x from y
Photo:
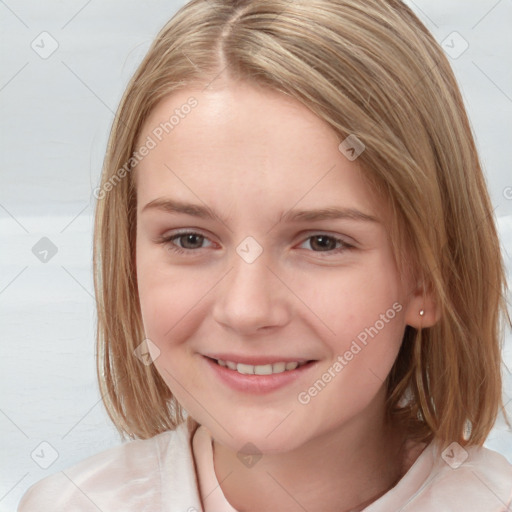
x=179 y=250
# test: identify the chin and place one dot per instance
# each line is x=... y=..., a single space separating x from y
x=269 y=435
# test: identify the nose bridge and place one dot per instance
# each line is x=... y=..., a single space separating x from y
x=250 y=296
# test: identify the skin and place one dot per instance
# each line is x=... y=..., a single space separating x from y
x=251 y=154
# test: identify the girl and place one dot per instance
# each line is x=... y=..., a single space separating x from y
x=298 y=275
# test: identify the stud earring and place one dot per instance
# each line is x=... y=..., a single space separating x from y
x=422 y=312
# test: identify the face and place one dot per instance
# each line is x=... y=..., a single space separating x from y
x=257 y=283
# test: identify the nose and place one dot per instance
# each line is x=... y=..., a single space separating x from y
x=251 y=298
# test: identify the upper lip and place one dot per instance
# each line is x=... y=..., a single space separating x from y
x=257 y=360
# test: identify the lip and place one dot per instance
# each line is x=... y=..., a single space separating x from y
x=256 y=360
x=257 y=384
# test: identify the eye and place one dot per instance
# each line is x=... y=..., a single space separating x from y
x=190 y=241
x=327 y=243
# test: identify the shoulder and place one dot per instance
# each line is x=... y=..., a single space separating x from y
x=466 y=478
x=126 y=477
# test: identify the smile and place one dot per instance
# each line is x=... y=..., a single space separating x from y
x=270 y=374
x=260 y=369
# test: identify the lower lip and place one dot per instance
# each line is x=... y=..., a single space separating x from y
x=257 y=384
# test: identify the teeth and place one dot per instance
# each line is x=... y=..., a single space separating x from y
x=230 y=365
x=278 y=367
x=260 y=369
x=246 y=369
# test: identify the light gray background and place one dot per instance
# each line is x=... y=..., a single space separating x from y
x=55 y=116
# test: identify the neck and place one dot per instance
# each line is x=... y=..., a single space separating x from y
x=340 y=470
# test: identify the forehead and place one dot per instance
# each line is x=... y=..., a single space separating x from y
x=240 y=145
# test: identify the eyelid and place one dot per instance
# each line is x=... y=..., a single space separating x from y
x=346 y=239
x=305 y=236
x=168 y=238
x=345 y=246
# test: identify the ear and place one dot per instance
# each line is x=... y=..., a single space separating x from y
x=422 y=300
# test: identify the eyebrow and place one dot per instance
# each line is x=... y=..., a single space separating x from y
x=204 y=212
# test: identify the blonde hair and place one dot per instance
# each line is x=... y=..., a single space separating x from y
x=370 y=69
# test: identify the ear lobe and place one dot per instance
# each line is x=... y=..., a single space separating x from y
x=422 y=310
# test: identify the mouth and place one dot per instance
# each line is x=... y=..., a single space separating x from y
x=257 y=375
x=260 y=369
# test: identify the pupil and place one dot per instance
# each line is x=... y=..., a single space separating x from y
x=322 y=242
x=326 y=244
x=190 y=238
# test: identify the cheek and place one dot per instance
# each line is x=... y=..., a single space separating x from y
x=158 y=290
x=364 y=311
x=172 y=300
x=368 y=325
x=167 y=303
x=353 y=300
x=170 y=306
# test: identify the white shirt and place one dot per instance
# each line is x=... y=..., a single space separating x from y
x=159 y=475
